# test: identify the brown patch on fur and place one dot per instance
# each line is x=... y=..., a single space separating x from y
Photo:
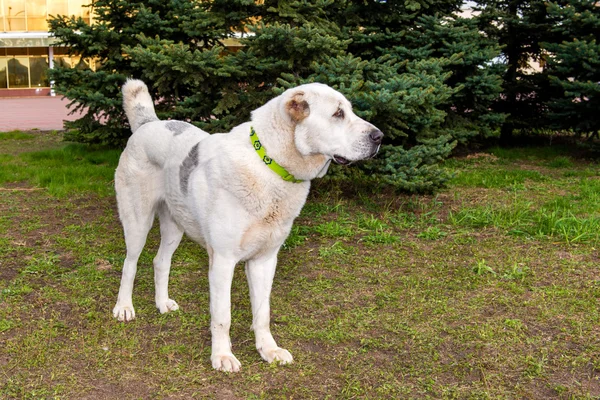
x=266 y=228
x=297 y=107
x=136 y=91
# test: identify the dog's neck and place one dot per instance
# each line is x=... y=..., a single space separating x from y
x=276 y=133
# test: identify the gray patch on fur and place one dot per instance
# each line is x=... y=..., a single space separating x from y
x=186 y=168
x=177 y=127
x=144 y=114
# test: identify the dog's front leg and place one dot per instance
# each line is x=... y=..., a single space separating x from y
x=220 y=275
x=260 y=273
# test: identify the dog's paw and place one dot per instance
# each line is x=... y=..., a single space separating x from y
x=225 y=362
x=166 y=306
x=277 y=354
x=124 y=313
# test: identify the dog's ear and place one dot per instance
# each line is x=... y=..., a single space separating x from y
x=297 y=107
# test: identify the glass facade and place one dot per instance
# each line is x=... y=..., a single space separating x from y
x=28 y=67
x=31 y=15
x=24 y=68
x=24 y=62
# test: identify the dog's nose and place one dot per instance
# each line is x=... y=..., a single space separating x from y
x=376 y=136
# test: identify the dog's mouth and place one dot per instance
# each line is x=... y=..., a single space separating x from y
x=375 y=152
x=344 y=161
x=341 y=160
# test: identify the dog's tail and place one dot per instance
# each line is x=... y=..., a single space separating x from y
x=138 y=104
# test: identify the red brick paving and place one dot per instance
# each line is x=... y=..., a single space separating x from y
x=26 y=113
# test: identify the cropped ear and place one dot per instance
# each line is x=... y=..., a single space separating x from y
x=297 y=107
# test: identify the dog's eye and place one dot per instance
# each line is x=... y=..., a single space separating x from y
x=339 y=113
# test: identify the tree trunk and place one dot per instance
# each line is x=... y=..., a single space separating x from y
x=506 y=134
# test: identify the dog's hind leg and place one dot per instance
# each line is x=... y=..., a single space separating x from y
x=135 y=238
x=138 y=195
x=170 y=237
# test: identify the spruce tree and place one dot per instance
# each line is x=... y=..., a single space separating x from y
x=519 y=26
x=574 y=66
x=474 y=78
x=411 y=68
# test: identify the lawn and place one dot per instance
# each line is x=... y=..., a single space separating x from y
x=489 y=289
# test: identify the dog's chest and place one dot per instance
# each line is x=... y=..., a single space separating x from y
x=272 y=212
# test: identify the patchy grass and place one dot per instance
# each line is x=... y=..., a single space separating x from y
x=488 y=290
x=17 y=142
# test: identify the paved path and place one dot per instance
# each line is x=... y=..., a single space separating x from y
x=25 y=113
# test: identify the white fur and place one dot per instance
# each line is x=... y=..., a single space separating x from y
x=217 y=190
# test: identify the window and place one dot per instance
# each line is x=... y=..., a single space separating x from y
x=22 y=67
x=32 y=15
x=38 y=71
x=18 y=72
x=3 y=76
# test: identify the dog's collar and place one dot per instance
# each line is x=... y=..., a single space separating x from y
x=269 y=162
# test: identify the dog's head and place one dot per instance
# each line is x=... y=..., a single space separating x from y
x=325 y=124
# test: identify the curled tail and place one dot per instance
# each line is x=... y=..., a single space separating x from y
x=138 y=104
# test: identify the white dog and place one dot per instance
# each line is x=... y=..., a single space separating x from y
x=234 y=194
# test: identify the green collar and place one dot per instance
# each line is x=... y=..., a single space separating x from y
x=269 y=162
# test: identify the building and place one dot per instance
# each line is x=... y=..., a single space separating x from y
x=27 y=49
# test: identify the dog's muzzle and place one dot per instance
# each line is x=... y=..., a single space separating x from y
x=375 y=139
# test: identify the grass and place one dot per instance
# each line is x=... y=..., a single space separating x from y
x=73 y=168
x=16 y=135
x=533 y=203
x=489 y=289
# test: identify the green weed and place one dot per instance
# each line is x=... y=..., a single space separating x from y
x=16 y=288
x=297 y=237
x=481 y=268
x=334 y=250
x=334 y=229
x=561 y=162
x=46 y=264
x=381 y=237
x=432 y=233
x=535 y=366
x=402 y=220
x=516 y=272
x=514 y=324
x=6 y=324
x=371 y=223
